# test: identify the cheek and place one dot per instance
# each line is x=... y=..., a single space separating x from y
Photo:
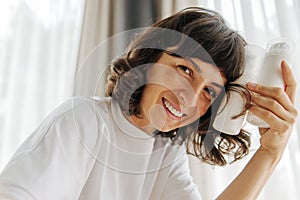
x=202 y=108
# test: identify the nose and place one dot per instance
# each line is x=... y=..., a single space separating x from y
x=191 y=93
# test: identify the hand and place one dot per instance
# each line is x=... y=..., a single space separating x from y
x=276 y=107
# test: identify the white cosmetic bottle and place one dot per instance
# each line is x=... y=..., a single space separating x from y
x=254 y=59
x=262 y=67
x=270 y=73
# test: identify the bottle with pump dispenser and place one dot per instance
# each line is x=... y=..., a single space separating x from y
x=270 y=73
x=263 y=67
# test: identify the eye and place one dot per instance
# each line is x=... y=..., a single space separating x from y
x=185 y=69
x=211 y=92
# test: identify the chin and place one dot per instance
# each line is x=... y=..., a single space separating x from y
x=167 y=129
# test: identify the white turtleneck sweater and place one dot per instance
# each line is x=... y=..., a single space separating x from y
x=86 y=149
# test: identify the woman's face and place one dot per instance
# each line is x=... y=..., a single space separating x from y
x=178 y=92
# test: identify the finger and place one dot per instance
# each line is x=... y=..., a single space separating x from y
x=273 y=106
x=276 y=124
x=262 y=131
x=289 y=80
x=274 y=92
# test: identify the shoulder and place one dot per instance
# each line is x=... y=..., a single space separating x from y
x=78 y=111
x=80 y=105
x=75 y=119
x=81 y=115
x=66 y=140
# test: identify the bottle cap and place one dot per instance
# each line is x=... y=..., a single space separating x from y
x=281 y=46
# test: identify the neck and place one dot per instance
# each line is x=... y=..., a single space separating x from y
x=141 y=123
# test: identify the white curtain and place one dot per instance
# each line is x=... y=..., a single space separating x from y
x=39 y=42
x=99 y=23
x=259 y=22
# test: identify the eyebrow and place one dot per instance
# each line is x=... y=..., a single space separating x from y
x=186 y=59
x=199 y=70
x=194 y=64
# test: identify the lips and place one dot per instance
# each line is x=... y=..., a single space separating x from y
x=171 y=110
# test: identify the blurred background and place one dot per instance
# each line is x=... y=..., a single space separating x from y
x=49 y=52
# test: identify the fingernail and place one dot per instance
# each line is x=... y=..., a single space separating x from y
x=251 y=85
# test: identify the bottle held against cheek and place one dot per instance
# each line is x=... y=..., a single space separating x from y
x=263 y=67
x=270 y=73
x=224 y=122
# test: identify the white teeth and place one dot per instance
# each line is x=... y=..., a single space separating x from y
x=172 y=109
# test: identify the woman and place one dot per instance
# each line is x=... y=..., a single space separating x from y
x=164 y=91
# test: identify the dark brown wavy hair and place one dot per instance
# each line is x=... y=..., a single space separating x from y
x=216 y=43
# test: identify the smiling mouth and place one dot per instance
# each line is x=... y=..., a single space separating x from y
x=171 y=110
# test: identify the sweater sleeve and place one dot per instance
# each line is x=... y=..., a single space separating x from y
x=53 y=162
